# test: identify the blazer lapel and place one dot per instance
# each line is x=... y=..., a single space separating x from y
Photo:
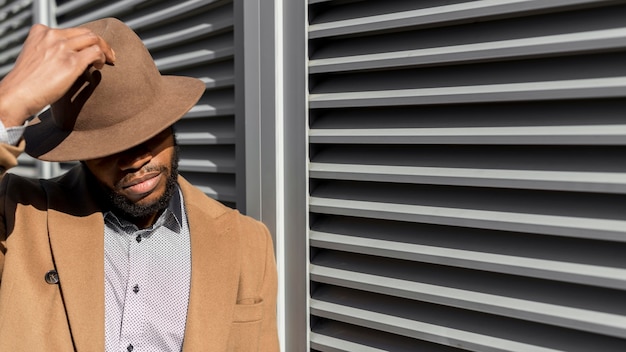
x=76 y=230
x=215 y=264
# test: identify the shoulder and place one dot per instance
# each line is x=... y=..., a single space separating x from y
x=253 y=234
x=66 y=192
x=18 y=187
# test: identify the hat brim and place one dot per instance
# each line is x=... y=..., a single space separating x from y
x=46 y=141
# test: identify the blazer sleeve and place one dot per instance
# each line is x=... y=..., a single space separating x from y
x=9 y=154
x=8 y=159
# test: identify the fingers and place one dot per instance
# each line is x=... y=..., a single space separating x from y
x=88 y=46
x=54 y=56
x=97 y=50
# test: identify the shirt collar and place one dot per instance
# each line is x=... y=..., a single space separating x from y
x=174 y=210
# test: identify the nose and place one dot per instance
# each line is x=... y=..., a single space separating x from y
x=134 y=158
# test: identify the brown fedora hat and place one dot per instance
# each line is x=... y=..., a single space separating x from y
x=113 y=109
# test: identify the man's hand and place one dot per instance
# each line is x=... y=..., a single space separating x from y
x=50 y=62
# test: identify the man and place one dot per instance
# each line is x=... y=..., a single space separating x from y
x=120 y=253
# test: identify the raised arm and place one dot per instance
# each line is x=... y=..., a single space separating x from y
x=50 y=62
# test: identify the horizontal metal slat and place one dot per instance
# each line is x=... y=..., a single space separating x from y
x=216 y=75
x=416 y=329
x=5 y=69
x=586 y=274
x=329 y=335
x=213 y=131
x=568 y=317
x=114 y=9
x=217 y=82
x=16 y=37
x=319 y=342
x=456 y=327
x=612 y=87
x=217 y=186
x=18 y=26
x=9 y=55
x=196 y=31
x=222 y=165
x=13 y=14
x=528 y=179
x=569 y=226
x=195 y=57
x=522 y=135
x=220 y=194
x=470 y=53
x=156 y=17
x=206 y=110
x=74 y=5
x=441 y=15
x=205 y=138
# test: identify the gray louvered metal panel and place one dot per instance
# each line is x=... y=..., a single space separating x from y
x=529 y=179
x=612 y=87
x=16 y=17
x=77 y=12
x=467 y=187
x=527 y=47
x=495 y=218
x=454 y=327
x=528 y=309
x=411 y=15
x=335 y=336
x=191 y=38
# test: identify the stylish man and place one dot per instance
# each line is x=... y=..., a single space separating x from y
x=120 y=253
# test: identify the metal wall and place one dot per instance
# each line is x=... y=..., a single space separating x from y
x=467 y=175
x=438 y=175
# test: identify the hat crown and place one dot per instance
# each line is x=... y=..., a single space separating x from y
x=115 y=108
x=103 y=98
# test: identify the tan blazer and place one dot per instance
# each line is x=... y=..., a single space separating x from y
x=46 y=225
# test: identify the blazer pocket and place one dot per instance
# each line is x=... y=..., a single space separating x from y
x=247 y=313
x=245 y=330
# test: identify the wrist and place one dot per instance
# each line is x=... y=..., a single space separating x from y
x=12 y=114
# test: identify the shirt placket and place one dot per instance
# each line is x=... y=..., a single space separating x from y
x=134 y=320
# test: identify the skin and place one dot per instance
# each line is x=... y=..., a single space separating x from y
x=54 y=56
x=140 y=176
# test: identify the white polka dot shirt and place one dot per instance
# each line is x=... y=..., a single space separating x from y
x=147 y=277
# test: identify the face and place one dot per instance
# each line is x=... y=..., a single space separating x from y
x=138 y=183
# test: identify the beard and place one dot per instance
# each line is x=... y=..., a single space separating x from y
x=126 y=209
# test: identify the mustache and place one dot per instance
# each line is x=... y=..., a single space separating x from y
x=144 y=170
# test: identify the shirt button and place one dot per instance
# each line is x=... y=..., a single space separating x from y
x=136 y=288
x=138 y=238
x=130 y=347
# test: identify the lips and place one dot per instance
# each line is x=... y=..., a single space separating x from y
x=140 y=186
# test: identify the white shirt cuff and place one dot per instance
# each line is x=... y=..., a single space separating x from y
x=11 y=135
